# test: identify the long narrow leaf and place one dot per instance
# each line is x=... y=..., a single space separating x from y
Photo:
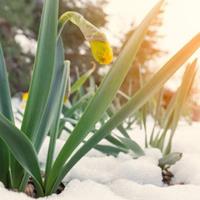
x=68 y=112
x=6 y=110
x=133 y=146
x=21 y=148
x=110 y=150
x=42 y=74
x=55 y=128
x=5 y=97
x=53 y=101
x=79 y=83
x=157 y=115
x=185 y=88
x=43 y=69
x=182 y=96
x=120 y=128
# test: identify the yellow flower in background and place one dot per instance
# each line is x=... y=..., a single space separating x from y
x=24 y=99
x=25 y=96
x=102 y=52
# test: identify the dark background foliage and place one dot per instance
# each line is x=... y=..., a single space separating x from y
x=23 y=16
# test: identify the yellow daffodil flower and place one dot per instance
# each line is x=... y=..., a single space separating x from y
x=100 y=47
x=102 y=52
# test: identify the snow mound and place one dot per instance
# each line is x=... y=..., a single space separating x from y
x=117 y=190
x=133 y=191
x=186 y=171
x=103 y=169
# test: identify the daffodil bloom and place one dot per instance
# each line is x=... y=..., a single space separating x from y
x=100 y=47
x=102 y=52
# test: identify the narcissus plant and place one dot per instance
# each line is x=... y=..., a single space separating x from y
x=20 y=147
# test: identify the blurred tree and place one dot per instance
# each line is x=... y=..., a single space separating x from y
x=22 y=17
x=15 y=18
x=148 y=51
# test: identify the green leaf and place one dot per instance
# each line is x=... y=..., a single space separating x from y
x=133 y=146
x=104 y=95
x=143 y=110
x=182 y=95
x=54 y=100
x=169 y=111
x=184 y=90
x=42 y=72
x=22 y=149
x=70 y=120
x=5 y=98
x=80 y=82
x=57 y=111
x=120 y=128
x=6 y=110
x=43 y=69
x=69 y=111
x=157 y=115
x=110 y=150
x=115 y=141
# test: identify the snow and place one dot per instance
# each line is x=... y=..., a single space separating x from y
x=133 y=191
x=107 y=169
x=117 y=190
x=28 y=45
x=187 y=139
x=187 y=170
x=104 y=169
x=100 y=177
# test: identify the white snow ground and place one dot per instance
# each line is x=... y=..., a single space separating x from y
x=102 y=177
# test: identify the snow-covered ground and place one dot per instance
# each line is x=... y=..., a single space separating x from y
x=102 y=177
